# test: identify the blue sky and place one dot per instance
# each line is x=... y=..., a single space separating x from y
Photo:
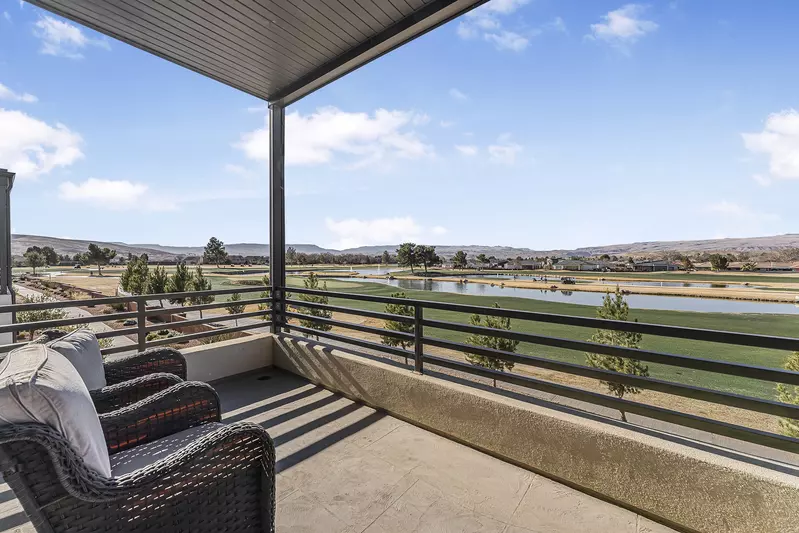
x=540 y=123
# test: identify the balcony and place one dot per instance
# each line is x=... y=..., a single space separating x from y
x=373 y=437
x=347 y=467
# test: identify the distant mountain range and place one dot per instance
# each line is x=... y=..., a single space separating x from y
x=20 y=243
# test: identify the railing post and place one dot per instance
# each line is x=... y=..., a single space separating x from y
x=278 y=308
x=418 y=333
x=141 y=323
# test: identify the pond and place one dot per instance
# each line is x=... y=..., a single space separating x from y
x=555 y=279
x=636 y=301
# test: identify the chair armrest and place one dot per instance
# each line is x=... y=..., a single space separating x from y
x=114 y=397
x=180 y=407
x=218 y=455
x=150 y=361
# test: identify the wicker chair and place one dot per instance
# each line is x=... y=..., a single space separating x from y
x=223 y=480
x=134 y=377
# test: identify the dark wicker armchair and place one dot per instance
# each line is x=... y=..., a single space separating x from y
x=221 y=479
x=133 y=377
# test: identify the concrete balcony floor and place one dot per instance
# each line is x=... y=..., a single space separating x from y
x=343 y=467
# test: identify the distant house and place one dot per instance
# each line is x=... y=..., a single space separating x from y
x=524 y=264
x=655 y=266
x=580 y=265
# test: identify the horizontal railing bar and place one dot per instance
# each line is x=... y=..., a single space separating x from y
x=351 y=311
x=201 y=334
x=724 y=337
x=666 y=415
x=769 y=407
x=206 y=320
x=116 y=333
x=51 y=324
x=352 y=340
x=60 y=304
x=202 y=307
x=683 y=361
x=349 y=325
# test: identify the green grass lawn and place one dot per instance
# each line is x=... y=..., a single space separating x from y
x=765 y=324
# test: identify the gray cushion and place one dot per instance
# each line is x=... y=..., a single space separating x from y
x=38 y=384
x=132 y=459
x=81 y=348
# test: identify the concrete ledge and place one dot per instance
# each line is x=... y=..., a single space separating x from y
x=683 y=486
x=228 y=358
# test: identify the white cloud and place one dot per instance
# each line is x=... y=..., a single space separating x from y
x=737 y=211
x=466 y=149
x=119 y=195
x=364 y=139
x=507 y=40
x=504 y=150
x=779 y=140
x=458 y=95
x=446 y=123
x=7 y=16
x=622 y=27
x=60 y=38
x=353 y=232
x=8 y=94
x=263 y=108
x=31 y=147
x=488 y=22
x=557 y=25
x=760 y=179
x=504 y=7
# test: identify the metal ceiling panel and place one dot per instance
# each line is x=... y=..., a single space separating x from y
x=277 y=50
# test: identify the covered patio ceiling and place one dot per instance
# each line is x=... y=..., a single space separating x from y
x=276 y=50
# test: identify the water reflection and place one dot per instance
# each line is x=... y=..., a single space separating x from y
x=636 y=301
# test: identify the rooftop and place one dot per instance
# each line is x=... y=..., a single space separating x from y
x=344 y=467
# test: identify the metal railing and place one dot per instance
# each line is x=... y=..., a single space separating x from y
x=419 y=340
x=142 y=314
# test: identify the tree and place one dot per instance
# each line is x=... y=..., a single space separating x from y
x=264 y=294
x=749 y=266
x=489 y=341
x=687 y=264
x=481 y=258
x=604 y=257
x=393 y=325
x=234 y=307
x=179 y=281
x=312 y=282
x=459 y=260
x=406 y=255
x=427 y=256
x=158 y=282
x=200 y=283
x=214 y=251
x=719 y=262
x=50 y=255
x=790 y=394
x=99 y=256
x=34 y=260
x=616 y=308
x=291 y=255
x=136 y=277
x=385 y=258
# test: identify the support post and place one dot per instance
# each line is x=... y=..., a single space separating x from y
x=418 y=344
x=277 y=213
x=141 y=323
x=7 y=295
